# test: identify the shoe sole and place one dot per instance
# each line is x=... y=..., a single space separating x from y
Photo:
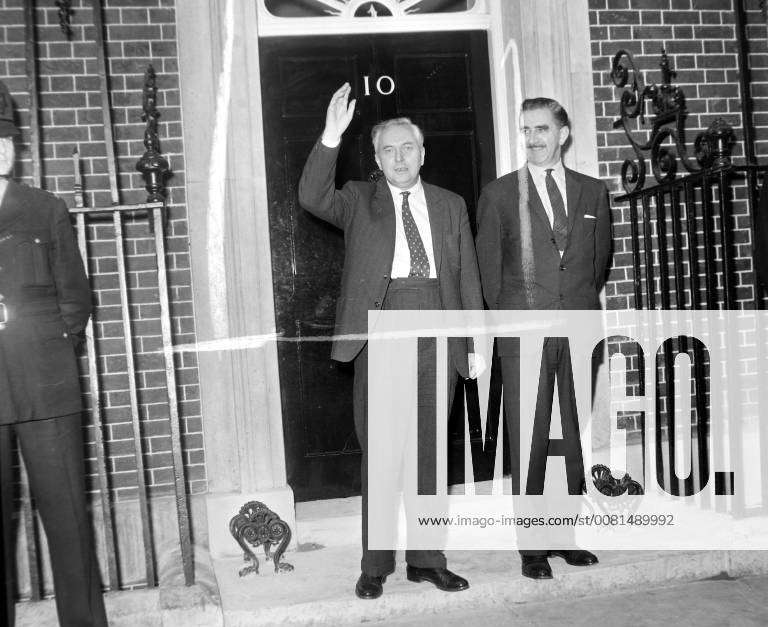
x=571 y=563
x=418 y=579
x=545 y=578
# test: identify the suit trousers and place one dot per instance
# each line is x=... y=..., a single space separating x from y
x=555 y=365
x=53 y=455
x=402 y=294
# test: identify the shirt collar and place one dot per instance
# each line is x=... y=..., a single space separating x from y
x=415 y=190
x=4 y=185
x=540 y=172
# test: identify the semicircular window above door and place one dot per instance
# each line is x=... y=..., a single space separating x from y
x=364 y=8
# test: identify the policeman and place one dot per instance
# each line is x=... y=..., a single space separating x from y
x=45 y=303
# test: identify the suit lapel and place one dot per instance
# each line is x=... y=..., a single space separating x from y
x=383 y=210
x=437 y=222
x=536 y=204
x=573 y=196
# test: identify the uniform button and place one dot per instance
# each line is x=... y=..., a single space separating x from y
x=377 y=304
x=65 y=334
x=37 y=240
x=562 y=267
x=553 y=241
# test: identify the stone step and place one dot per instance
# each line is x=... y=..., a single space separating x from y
x=320 y=591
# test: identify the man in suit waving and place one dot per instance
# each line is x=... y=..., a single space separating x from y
x=408 y=246
x=543 y=242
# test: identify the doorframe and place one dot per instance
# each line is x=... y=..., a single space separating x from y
x=476 y=18
x=220 y=81
x=550 y=37
x=485 y=15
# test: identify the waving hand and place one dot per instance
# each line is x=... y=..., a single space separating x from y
x=338 y=116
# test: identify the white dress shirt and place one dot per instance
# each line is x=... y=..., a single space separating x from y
x=401 y=262
x=539 y=176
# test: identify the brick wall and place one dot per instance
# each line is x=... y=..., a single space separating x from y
x=699 y=36
x=137 y=32
x=700 y=39
x=757 y=32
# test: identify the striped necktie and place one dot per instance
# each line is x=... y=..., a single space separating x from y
x=560 y=220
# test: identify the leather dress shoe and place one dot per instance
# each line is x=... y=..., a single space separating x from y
x=536 y=567
x=442 y=578
x=370 y=586
x=576 y=558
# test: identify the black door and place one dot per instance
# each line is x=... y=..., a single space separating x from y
x=441 y=81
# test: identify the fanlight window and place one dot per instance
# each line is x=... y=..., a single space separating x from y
x=364 y=8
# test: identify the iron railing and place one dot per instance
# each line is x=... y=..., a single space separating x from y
x=682 y=238
x=153 y=166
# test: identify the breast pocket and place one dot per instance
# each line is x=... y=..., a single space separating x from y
x=32 y=261
x=588 y=225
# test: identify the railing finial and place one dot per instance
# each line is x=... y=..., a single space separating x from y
x=716 y=145
x=65 y=16
x=152 y=165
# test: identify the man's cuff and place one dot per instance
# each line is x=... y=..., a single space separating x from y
x=329 y=143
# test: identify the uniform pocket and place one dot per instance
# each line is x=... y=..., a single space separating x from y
x=32 y=260
x=51 y=331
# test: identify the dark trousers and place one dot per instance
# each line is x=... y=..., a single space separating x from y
x=402 y=294
x=53 y=455
x=555 y=365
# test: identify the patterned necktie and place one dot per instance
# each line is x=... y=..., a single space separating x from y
x=419 y=260
x=560 y=220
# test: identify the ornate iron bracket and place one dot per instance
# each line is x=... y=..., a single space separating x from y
x=618 y=491
x=65 y=16
x=712 y=148
x=607 y=484
x=258 y=525
x=152 y=165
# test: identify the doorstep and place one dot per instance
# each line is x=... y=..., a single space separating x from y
x=320 y=589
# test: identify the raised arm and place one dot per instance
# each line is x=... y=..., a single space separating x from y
x=317 y=189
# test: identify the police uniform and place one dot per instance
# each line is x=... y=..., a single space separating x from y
x=45 y=303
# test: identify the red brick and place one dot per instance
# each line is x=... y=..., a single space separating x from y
x=650 y=4
x=619 y=17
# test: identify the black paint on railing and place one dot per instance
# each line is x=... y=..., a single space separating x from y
x=676 y=220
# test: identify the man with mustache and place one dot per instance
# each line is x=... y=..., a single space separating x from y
x=408 y=246
x=543 y=242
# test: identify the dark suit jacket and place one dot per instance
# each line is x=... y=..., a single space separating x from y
x=46 y=300
x=573 y=282
x=366 y=213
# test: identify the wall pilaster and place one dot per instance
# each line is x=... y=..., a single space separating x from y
x=231 y=262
